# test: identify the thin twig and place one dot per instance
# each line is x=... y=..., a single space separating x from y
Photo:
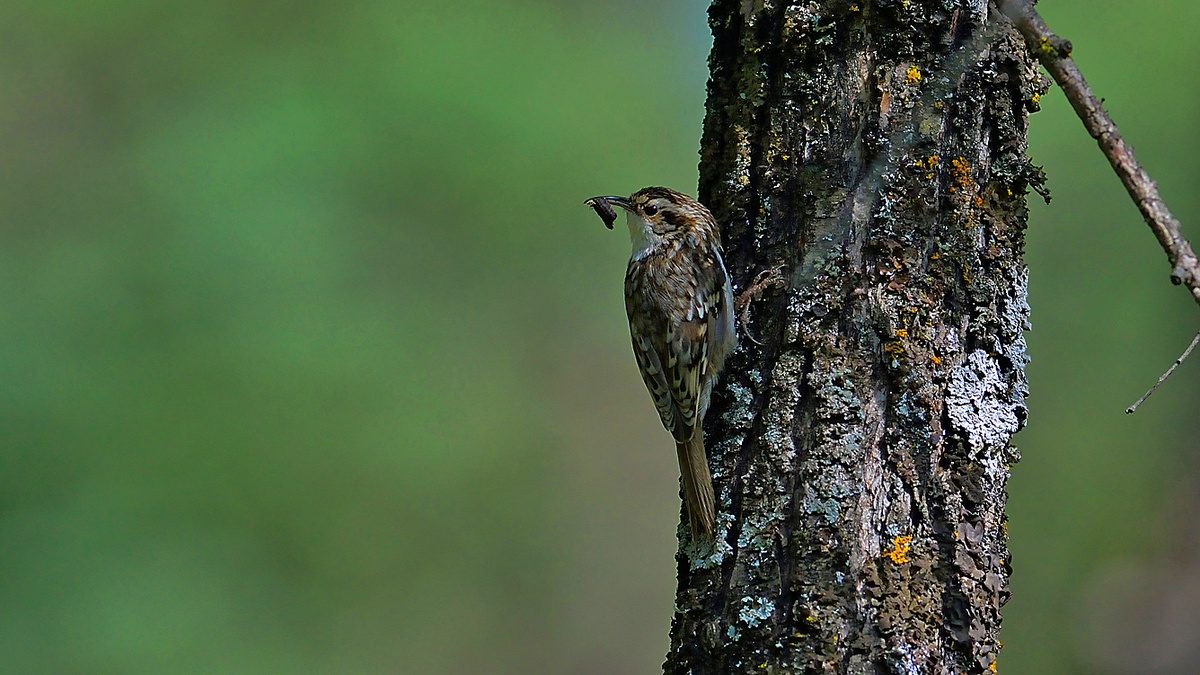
x=1187 y=352
x=1054 y=53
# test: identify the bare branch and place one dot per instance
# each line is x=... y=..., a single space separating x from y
x=1054 y=53
x=1186 y=353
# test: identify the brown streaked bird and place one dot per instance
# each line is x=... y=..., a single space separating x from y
x=680 y=304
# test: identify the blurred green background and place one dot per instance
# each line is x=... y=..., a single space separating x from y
x=314 y=362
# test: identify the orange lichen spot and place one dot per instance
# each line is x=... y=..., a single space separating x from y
x=962 y=172
x=902 y=333
x=913 y=75
x=895 y=349
x=898 y=554
x=935 y=256
x=937 y=360
x=978 y=201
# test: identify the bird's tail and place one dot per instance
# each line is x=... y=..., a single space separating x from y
x=697 y=487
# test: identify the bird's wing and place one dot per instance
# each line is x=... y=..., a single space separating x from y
x=687 y=365
x=650 y=363
x=673 y=369
x=695 y=340
x=722 y=331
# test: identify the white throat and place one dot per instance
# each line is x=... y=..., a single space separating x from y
x=641 y=235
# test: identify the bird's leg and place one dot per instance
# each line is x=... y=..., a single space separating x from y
x=768 y=278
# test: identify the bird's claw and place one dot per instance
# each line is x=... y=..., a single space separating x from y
x=768 y=278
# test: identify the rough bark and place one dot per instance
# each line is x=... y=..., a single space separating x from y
x=875 y=151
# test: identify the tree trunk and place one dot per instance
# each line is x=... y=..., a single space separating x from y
x=874 y=151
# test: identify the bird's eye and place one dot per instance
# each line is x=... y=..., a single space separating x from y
x=651 y=209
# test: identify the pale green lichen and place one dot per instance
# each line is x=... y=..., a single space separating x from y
x=755 y=611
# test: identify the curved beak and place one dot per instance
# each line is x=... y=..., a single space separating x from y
x=603 y=208
x=622 y=202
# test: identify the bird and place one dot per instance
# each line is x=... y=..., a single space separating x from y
x=679 y=301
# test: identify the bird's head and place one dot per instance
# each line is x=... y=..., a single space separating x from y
x=656 y=216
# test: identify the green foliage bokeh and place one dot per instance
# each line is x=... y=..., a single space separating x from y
x=314 y=362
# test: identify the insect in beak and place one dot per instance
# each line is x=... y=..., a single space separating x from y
x=603 y=206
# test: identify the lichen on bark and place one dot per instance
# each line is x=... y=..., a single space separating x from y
x=875 y=151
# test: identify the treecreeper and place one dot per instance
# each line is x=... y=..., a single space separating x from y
x=679 y=300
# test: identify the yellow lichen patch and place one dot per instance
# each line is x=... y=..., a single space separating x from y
x=895 y=349
x=993 y=666
x=902 y=333
x=929 y=165
x=962 y=172
x=913 y=75
x=899 y=551
x=1037 y=98
x=965 y=186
